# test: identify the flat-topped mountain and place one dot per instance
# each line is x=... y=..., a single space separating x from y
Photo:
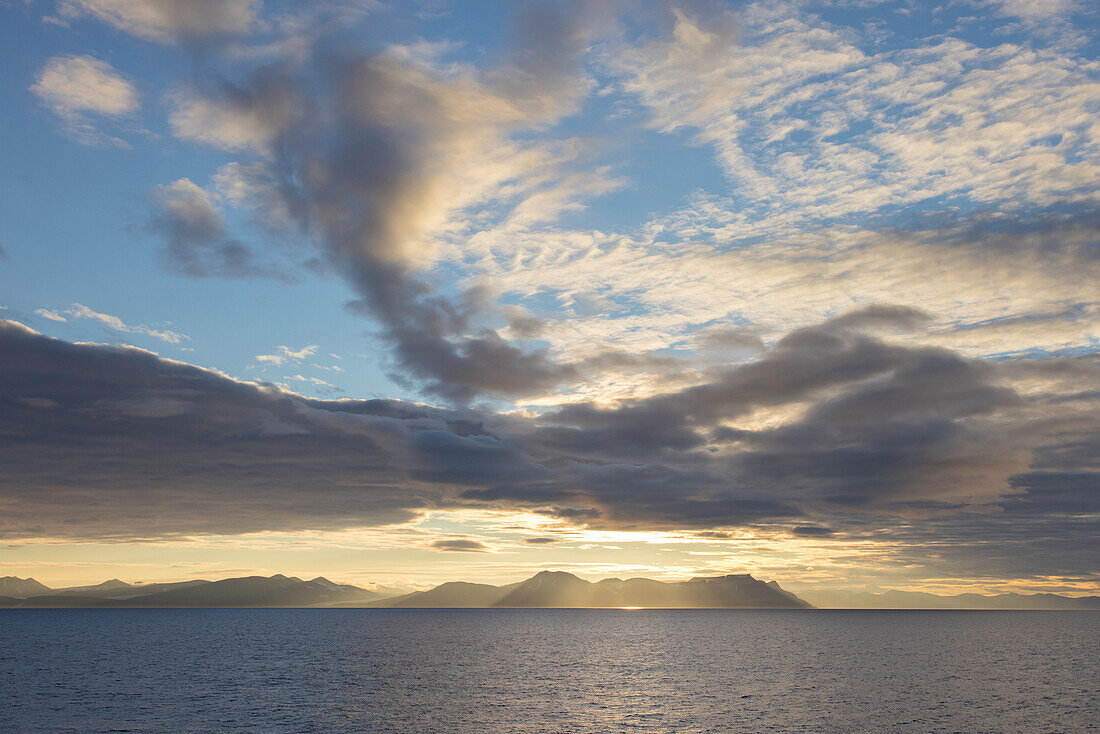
x=558 y=589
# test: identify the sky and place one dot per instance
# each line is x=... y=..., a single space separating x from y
x=407 y=292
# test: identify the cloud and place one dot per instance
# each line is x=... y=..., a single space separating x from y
x=812 y=531
x=320 y=387
x=398 y=152
x=964 y=273
x=51 y=315
x=130 y=428
x=283 y=354
x=234 y=117
x=1035 y=9
x=728 y=338
x=80 y=311
x=73 y=86
x=167 y=21
x=812 y=121
x=849 y=204
x=827 y=417
x=461 y=546
x=831 y=427
x=84 y=84
x=190 y=221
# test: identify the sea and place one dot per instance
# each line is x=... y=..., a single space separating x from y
x=497 y=670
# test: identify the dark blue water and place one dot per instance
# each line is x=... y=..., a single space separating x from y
x=547 y=671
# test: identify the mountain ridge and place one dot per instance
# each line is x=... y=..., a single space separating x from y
x=13 y=586
x=562 y=590
x=546 y=589
x=277 y=591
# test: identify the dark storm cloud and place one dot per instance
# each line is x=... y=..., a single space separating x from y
x=651 y=495
x=917 y=429
x=995 y=545
x=104 y=441
x=799 y=366
x=442 y=456
x=885 y=425
x=114 y=442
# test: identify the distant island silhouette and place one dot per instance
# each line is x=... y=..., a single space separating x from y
x=545 y=590
x=558 y=589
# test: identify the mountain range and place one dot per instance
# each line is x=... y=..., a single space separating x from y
x=249 y=591
x=548 y=589
x=557 y=589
